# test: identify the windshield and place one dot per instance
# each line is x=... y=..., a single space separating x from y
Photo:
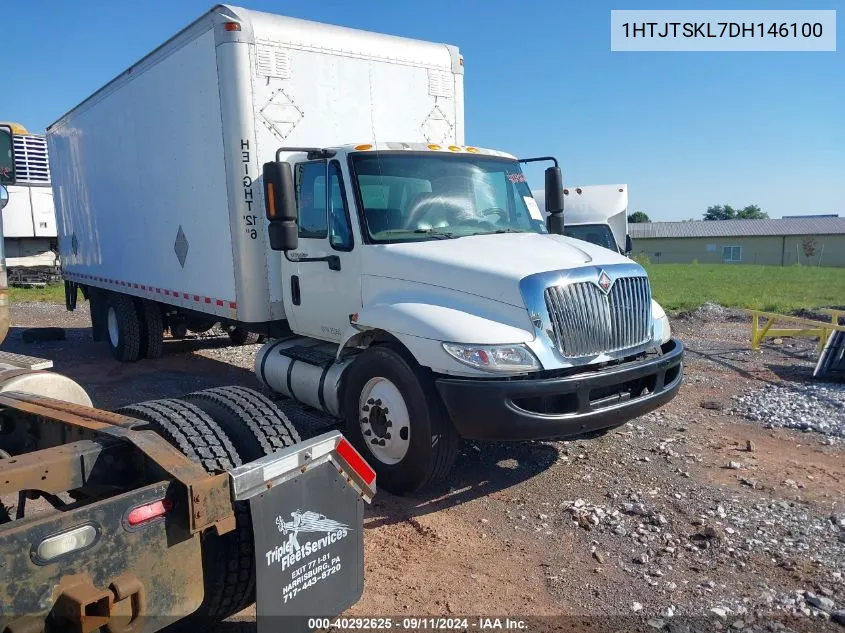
x=599 y=234
x=439 y=196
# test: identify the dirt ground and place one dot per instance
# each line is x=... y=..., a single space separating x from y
x=652 y=519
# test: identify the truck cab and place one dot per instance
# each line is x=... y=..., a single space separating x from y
x=431 y=299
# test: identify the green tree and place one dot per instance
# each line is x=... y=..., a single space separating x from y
x=727 y=212
x=638 y=217
x=751 y=212
x=720 y=212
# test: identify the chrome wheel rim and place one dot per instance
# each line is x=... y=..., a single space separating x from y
x=114 y=335
x=385 y=422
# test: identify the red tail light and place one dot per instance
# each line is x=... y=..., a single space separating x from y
x=148 y=512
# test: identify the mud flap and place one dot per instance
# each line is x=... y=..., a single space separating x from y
x=309 y=549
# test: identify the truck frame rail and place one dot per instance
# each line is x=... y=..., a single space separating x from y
x=121 y=546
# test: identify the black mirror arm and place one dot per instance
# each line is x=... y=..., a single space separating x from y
x=539 y=159
x=332 y=260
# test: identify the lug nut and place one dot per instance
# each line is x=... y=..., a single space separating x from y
x=371 y=401
x=388 y=423
x=365 y=408
x=381 y=442
x=374 y=440
x=387 y=436
x=368 y=433
x=378 y=402
x=386 y=410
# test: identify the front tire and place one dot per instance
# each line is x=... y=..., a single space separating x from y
x=396 y=420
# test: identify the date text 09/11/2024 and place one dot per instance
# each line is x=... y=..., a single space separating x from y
x=418 y=623
x=722 y=29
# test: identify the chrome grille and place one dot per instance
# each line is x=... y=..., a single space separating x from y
x=588 y=322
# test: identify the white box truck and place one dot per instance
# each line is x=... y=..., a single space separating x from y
x=597 y=214
x=311 y=183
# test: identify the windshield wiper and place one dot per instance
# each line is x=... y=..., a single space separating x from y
x=440 y=235
x=500 y=231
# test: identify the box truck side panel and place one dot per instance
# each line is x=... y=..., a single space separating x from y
x=140 y=184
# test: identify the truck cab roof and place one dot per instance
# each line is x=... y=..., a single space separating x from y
x=393 y=146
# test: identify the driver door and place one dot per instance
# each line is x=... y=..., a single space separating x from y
x=320 y=296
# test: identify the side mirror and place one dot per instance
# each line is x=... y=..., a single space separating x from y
x=280 y=206
x=629 y=245
x=554 y=200
x=4 y=196
x=7 y=155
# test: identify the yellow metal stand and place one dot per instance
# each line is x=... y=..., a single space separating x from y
x=812 y=328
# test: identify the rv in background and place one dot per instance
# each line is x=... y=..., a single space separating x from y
x=596 y=214
x=29 y=219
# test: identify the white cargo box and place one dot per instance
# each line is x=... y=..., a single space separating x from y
x=157 y=175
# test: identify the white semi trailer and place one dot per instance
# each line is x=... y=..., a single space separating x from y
x=597 y=214
x=312 y=183
x=29 y=219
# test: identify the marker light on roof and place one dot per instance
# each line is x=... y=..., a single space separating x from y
x=435 y=147
x=472 y=150
x=361 y=148
x=454 y=148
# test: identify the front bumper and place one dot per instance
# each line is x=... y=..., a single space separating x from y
x=544 y=408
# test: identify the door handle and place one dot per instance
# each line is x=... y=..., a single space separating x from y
x=295 y=295
x=332 y=260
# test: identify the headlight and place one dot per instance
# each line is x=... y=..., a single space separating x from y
x=497 y=358
x=662 y=329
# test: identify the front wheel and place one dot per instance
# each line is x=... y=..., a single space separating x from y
x=395 y=418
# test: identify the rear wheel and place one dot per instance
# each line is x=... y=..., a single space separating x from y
x=228 y=561
x=240 y=336
x=256 y=425
x=152 y=329
x=396 y=420
x=123 y=328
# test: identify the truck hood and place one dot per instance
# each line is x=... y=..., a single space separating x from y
x=489 y=266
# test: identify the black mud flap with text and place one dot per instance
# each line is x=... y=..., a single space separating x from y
x=309 y=549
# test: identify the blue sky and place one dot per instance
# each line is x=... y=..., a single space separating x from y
x=684 y=130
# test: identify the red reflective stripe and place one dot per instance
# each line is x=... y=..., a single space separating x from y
x=356 y=462
x=233 y=305
x=207 y=300
x=220 y=302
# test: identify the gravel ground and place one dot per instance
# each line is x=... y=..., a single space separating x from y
x=806 y=407
x=716 y=506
